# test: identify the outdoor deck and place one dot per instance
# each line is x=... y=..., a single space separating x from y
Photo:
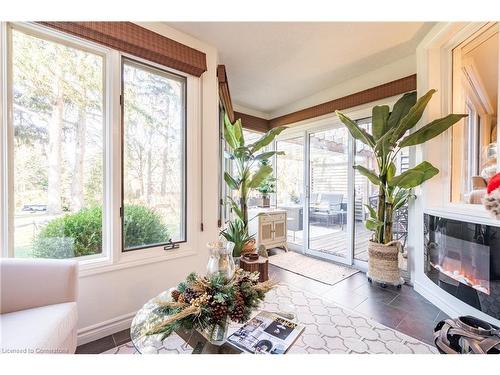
x=334 y=240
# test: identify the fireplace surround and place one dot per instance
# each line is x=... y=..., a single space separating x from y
x=463 y=259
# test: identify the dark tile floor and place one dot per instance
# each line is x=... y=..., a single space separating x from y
x=402 y=309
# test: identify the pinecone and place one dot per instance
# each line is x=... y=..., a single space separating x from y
x=218 y=311
x=189 y=295
x=175 y=295
x=238 y=313
x=181 y=299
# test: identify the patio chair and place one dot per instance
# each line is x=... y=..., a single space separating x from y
x=330 y=209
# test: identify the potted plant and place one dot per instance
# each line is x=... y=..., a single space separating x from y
x=267 y=187
x=244 y=180
x=387 y=138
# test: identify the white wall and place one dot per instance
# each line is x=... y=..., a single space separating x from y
x=109 y=300
x=397 y=69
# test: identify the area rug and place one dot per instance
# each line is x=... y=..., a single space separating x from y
x=319 y=270
x=329 y=329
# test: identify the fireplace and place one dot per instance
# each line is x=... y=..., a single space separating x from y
x=464 y=260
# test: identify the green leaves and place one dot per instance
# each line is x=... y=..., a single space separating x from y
x=401 y=108
x=414 y=115
x=431 y=130
x=230 y=133
x=355 y=130
x=369 y=174
x=231 y=182
x=266 y=138
x=415 y=176
x=380 y=115
x=267 y=155
x=259 y=176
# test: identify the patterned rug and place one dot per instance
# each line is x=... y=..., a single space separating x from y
x=319 y=270
x=329 y=328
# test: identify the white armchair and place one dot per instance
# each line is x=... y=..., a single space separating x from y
x=38 y=305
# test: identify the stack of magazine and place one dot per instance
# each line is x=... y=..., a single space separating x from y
x=266 y=333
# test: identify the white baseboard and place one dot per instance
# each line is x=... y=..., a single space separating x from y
x=106 y=328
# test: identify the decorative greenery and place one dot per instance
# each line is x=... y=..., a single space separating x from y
x=201 y=302
x=387 y=139
x=267 y=186
x=237 y=234
x=243 y=181
x=81 y=233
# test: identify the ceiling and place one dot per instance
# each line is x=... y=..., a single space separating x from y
x=272 y=64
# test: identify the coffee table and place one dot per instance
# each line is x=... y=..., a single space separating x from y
x=148 y=316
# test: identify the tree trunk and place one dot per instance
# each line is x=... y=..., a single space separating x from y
x=380 y=215
x=54 y=156
x=165 y=171
x=77 y=198
x=388 y=223
x=149 y=186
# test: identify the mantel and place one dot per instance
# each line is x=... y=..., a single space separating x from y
x=464 y=212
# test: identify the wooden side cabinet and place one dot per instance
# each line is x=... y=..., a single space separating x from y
x=269 y=227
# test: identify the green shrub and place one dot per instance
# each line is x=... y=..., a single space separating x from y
x=143 y=226
x=80 y=233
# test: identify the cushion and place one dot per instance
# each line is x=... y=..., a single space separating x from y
x=39 y=330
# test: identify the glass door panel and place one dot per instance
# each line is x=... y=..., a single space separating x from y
x=290 y=186
x=364 y=193
x=328 y=192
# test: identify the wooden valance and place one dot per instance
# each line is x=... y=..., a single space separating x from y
x=136 y=40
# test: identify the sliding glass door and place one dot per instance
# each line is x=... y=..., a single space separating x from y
x=328 y=193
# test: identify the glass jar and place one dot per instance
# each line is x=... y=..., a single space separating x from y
x=213 y=258
x=227 y=266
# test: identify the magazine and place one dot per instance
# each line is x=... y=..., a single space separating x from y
x=266 y=333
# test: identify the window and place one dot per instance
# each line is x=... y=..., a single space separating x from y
x=58 y=132
x=95 y=147
x=475 y=92
x=153 y=156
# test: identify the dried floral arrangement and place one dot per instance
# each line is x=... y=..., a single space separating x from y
x=204 y=302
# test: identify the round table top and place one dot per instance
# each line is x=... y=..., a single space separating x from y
x=145 y=319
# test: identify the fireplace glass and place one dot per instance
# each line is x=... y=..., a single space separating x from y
x=464 y=259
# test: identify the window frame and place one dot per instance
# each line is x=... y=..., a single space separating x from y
x=152 y=67
x=112 y=257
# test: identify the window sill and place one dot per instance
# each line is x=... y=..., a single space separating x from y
x=104 y=265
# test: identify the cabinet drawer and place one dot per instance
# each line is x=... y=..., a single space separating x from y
x=267 y=218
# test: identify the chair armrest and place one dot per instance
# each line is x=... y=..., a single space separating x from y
x=29 y=283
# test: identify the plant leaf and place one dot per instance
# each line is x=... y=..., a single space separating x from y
x=229 y=134
x=391 y=171
x=238 y=132
x=401 y=108
x=415 y=176
x=380 y=115
x=267 y=155
x=373 y=213
x=230 y=181
x=431 y=130
x=372 y=224
x=235 y=207
x=266 y=138
x=369 y=174
x=412 y=117
x=355 y=130
x=259 y=176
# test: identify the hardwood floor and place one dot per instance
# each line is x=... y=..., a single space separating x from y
x=402 y=309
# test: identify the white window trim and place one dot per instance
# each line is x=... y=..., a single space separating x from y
x=112 y=257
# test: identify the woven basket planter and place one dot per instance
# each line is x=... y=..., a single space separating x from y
x=383 y=263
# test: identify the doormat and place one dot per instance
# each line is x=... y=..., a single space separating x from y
x=312 y=268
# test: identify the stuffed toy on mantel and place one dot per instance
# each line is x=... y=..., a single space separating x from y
x=492 y=198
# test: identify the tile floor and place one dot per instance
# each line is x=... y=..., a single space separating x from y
x=401 y=309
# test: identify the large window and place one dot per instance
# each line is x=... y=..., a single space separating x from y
x=96 y=150
x=153 y=156
x=57 y=116
x=475 y=92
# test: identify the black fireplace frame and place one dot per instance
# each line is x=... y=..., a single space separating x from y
x=486 y=235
